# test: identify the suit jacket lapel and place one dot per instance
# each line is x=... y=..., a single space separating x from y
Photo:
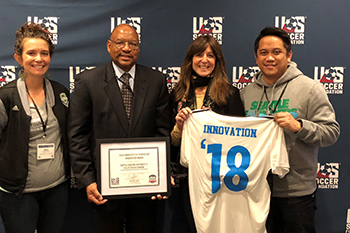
x=115 y=97
x=140 y=90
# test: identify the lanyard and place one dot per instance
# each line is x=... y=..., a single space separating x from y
x=126 y=84
x=44 y=124
x=279 y=99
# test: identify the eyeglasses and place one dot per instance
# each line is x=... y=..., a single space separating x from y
x=121 y=44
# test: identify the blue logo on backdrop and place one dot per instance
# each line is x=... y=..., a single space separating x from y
x=51 y=23
x=7 y=74
x=135 y=22
x=244 y=76
x=172 y=75
x=331 y=78
x=210 y=25
x=294 y=26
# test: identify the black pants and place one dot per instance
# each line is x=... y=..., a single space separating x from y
x=292 y=215
x=137 y=215
x=185 y=196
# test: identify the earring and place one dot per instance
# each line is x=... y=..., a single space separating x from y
x=22 y=74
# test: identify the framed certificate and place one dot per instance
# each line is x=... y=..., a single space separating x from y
x=134 y=167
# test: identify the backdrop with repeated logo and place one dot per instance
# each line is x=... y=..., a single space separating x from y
x=319 y=31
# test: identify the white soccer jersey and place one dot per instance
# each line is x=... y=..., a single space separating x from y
x=228 y=160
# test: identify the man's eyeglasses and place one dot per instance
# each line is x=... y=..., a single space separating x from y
x=121 y=44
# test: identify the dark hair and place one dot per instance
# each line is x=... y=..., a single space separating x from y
x=274 y=31
x=219 y=89
x=32 y=30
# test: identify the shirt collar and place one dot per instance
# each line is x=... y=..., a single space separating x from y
x=119 y=72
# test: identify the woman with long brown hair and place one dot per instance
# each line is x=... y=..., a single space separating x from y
x=203 y=84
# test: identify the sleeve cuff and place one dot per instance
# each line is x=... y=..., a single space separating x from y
x=176 y=135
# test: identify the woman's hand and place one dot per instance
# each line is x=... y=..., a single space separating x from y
x=181 y=116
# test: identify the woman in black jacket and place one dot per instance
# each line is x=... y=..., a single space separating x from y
x=34 y=165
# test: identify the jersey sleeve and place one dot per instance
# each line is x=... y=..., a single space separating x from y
x=279 y=154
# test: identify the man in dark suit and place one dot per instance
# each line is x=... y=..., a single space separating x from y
x=97 y=111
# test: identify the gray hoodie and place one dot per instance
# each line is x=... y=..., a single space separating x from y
x=308 y=102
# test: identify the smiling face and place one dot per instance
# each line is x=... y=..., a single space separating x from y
x=204 y=63
x=123 y=57
x=272 y=58
x=35 y=58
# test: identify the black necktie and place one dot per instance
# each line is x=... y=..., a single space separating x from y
x=127 y=94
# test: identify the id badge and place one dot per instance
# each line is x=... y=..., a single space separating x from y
x=45 y=151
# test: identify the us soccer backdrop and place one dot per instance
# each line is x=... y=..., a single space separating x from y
x=320 y=35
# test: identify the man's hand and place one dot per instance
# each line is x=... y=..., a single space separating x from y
x=94 y=195
x=159 y=197
x=287 y=121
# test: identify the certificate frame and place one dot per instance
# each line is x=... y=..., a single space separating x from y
x=133 y=167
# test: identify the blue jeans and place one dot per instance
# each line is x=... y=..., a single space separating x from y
x=292 y=215
x=44 y=210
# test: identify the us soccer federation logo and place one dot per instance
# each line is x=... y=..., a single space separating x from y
x=329 y=75
x=347 y=230
x=8 y=74
x=244 y=76
x=172 y=76
x=331 y=78
x=294 y=26
x=210 y=25
x=73 y=71
x=51 y=23
x=328 y=176
x=135 y=22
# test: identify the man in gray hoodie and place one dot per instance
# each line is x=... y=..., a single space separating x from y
x=301 y=107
